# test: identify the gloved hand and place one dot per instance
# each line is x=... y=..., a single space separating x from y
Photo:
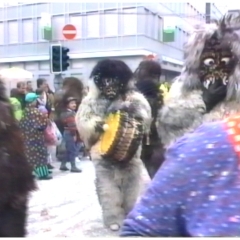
x=99 y=126
x=214 y=95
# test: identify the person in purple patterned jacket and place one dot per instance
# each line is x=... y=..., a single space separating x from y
x=196 y=192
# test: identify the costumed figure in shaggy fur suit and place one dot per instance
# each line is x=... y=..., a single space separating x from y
x=148 y=76
x=17 y=180
x=208 y=87
x=112 y=120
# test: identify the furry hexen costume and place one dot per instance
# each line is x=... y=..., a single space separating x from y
x=208 y=87
x=16 y=176
x=117 y=182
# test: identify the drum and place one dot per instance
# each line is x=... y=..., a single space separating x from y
x=121 y=139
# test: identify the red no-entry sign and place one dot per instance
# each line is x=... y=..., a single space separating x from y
x=69 y=31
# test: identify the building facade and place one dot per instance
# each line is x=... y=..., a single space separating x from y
x=128 y=31
x=214 y=12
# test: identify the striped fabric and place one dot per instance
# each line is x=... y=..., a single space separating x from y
x=41 y=171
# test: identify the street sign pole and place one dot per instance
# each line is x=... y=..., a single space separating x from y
x=58 y=81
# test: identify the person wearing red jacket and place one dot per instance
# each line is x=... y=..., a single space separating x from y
x=70 y=135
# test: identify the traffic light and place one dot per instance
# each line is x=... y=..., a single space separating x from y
x=55 y=58
x=65 y=58
x=59 y=59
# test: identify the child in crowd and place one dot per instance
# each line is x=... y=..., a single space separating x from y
x=42 y=108
x=40 y=101
x=70 y=135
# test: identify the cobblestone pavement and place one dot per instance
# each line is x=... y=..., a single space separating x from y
x=67 y=206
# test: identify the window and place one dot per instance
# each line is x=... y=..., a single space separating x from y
x=129 y=21
x=150 y=23
x=93 y=25
x=40 y=30
x=177 y=39
x=27 y=32
x=110 y=23
x=76 y=20
x=2 y=33
x=58 y=22
x=142 y=20
x=180 y=38
x=159 y=28
x=12 y=32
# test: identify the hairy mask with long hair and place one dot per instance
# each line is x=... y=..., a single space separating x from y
x=111 y=77
x=211 y=54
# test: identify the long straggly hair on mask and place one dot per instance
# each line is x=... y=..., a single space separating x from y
x=226 y=32
x=112 y=69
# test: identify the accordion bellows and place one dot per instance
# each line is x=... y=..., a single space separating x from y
x=121 y=140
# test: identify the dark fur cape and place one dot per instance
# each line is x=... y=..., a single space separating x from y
x=147 y=74
x=16 y=176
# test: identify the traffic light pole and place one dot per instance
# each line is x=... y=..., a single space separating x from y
x=58 y=80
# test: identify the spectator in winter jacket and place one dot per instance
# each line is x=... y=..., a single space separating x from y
x=196 y=192
x=20 y=93
x=29 y=88
x=70 y=135
x=16 y=104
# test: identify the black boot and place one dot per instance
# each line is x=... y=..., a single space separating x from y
x=74 y=168
x=63 y=166
x=50 y=166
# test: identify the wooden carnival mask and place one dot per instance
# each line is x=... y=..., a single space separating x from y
x=110 y=87
x=111 y=77
x=217 y=62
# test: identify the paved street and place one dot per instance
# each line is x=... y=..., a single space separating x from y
x=67 y=206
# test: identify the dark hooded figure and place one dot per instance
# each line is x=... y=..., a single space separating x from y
x=147 y=77
x=17 y=180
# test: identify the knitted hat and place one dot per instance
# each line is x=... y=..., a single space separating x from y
x=31 y=97
x=43 y=109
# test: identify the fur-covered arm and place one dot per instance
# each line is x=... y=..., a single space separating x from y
x=140 y=107
x=179 y=115
x=89 y=116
